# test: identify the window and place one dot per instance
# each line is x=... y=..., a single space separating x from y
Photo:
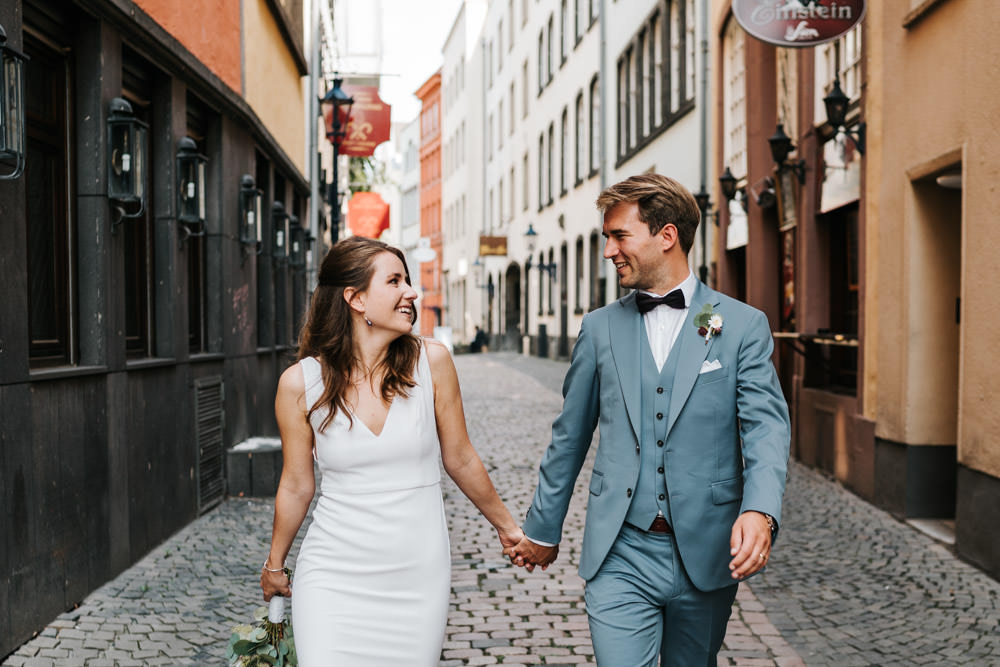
x=499 y=125
x=580 y=164
x=510 y=125
x=597 y=268
x=595 y=126
x=500 y=200
x=578 y=20
x=656 y=77
x=541 y=171
x=510 y=25
x=525 y=178
x=563 y=34
x=511 y=208
x=265 y=306
x=541 y=64
x=578 y=277
x=541 y=285
x=595 y=10
x=524 y=12
x=51 y=256
x=552 y=281
x=500 y=46
x=489 y=138
x=198 y=124
x=137 y=88
x=548 y=52
x=548 y=174
x=563 y=147
x=524 y=91
x=734 y=99
x=840 y=58
x=691 y=75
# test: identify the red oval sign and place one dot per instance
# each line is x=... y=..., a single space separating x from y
x=798 y=23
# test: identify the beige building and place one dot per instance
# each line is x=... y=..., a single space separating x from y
x=931 y=335
x=873 y=259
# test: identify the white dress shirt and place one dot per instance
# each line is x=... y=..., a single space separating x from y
x=663 y=323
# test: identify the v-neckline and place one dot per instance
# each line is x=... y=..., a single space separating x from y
x=385 y=422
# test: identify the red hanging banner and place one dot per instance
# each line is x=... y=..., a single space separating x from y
x=369 y=124
x=367 y=214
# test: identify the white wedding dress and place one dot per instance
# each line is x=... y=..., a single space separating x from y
x=373 y=576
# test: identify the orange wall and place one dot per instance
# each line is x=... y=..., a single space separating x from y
x=210 y=29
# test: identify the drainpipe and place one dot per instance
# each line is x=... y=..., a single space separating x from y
x=703 y=105
x=610 y=277
x=315 y=200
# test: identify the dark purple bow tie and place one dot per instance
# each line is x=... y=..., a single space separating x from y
x=647 y=302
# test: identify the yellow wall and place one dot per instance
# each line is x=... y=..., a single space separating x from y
x=930 y=102
x=273 y=87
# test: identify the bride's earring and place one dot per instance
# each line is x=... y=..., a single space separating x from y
x=368 y=321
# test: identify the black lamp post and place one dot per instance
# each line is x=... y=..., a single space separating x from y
x=781 y=145
x=11 y=107
x=190 y=188
x=126 y=161
x=836 y=104
x=336 y=129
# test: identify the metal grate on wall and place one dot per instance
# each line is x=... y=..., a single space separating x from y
x=210 y=420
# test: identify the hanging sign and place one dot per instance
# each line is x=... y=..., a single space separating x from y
x=369 y=124
x=798 y=23
x=367 y=214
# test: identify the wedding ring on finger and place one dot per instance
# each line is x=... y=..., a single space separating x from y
x=762 y=556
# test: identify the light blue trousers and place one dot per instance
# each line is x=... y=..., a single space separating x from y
x=642 y=606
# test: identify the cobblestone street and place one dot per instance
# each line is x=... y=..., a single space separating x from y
x=847 y=585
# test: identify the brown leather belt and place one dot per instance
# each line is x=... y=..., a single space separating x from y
x=660 y=525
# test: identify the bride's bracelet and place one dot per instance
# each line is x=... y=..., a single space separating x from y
x=265 y=568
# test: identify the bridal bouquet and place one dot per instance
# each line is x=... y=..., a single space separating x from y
x=268 y=641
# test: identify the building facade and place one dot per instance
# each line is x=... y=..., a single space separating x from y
x=869 y=250
x=430 y=283
x=137 y=344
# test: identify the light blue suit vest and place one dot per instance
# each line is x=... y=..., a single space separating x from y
x=651 y=495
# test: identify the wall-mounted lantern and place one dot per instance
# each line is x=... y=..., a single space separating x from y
x=836 y=104
x=531 y=239
x=279 y=226
x=781 y=145
x=296 y=243
x=190 y=188
x=728 y=184
x=249 y=216
x=126 y=162
x=11 y=108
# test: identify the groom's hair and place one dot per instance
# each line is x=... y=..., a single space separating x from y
x=661 y=201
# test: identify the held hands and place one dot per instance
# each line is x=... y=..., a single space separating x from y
x=750 y=544
x=527 y=554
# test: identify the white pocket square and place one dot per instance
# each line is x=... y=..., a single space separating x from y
x=707 y=366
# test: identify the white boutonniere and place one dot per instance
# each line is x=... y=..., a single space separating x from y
x=709 y=323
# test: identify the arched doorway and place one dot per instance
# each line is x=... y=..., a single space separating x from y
x=512 y=308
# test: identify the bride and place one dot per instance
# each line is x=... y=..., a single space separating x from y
x=377 y=408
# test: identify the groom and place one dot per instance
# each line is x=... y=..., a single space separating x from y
x=685 y=493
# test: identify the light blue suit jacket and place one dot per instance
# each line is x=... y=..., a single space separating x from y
x=727 y=440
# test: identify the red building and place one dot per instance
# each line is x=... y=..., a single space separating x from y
x=430 y=202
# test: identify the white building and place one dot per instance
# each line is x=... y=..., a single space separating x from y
x=552 y=137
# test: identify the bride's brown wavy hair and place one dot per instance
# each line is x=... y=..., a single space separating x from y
x=328 y=334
